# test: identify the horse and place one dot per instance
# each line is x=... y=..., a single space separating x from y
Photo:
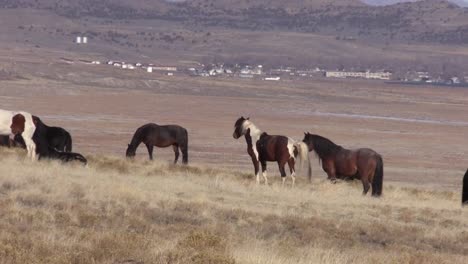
x=465 y=189
x=56 y=137
x=14 y=123
x=53 y=153
x=160 y=136
x=17 y=142
x=54 y=143
x=364 y=163
x=263 y=147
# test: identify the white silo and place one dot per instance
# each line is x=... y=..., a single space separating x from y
x=78 y=40
x=85 y=40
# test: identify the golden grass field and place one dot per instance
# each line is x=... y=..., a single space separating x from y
x=119 y=211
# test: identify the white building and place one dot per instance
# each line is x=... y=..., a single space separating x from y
x=365 y=75
x=149 y=69
x=78 y=40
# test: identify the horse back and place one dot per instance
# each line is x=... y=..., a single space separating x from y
x=162 y=136
x=272 y=147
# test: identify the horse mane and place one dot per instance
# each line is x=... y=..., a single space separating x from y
x=324 y=147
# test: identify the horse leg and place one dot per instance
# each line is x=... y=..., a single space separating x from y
x=365 y=185
x=150 y=150
x=282 y=171
x=256 y=168
x=292 y=171
x=176 y=152
x=264 y=171
x=30 y=147
x=332 y=175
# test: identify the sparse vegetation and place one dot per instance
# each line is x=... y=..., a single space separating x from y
x=119 y=211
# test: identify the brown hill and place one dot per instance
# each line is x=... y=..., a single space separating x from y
x=428 y=21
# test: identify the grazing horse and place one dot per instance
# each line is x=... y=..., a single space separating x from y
x=14 y=123
x=56 y=137
x=465 y=189
x=160 y=136
x=263 y=147
x=338 y=162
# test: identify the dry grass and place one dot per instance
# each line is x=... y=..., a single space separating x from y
x=118 y=211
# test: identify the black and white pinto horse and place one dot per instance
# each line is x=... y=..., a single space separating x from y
x=14 y=123
x=263 y=147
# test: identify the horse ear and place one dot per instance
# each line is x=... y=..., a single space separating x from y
x=248 y=118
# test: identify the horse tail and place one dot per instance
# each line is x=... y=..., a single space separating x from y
x=377 y=182
x=68 y=142
x=303 y=153
x=184 y=146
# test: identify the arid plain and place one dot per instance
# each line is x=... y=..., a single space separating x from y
x=420 y=130
x=128 y=212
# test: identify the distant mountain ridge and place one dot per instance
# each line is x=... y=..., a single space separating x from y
x=392 y=2
x=427 y=21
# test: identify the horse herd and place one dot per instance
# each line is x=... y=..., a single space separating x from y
x=29 y=131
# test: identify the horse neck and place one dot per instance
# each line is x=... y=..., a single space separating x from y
x=136 y=141
x=255 y=132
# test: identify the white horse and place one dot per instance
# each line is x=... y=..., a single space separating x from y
x=13 y=123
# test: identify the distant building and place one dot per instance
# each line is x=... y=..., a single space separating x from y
x=81 y=40
x=165 y=68
x=365 y=75
x=149 y=69
x=277 y=78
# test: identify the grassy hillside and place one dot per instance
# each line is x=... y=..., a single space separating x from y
x=118 y=211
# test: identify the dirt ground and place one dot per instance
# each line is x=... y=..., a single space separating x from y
x=420 y=131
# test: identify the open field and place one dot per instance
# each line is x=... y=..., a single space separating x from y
x=212 y=212
x=420 y=131
x=150 y=212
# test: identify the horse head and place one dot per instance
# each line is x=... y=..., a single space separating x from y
x=130 y=153
x=239 y=129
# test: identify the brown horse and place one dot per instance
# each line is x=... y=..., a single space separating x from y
x=263 y=147
x=160 y=136
x=338 y=162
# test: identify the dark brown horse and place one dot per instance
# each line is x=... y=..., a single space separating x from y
x=338 y=162
x=160 y=136
x=263 y=147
